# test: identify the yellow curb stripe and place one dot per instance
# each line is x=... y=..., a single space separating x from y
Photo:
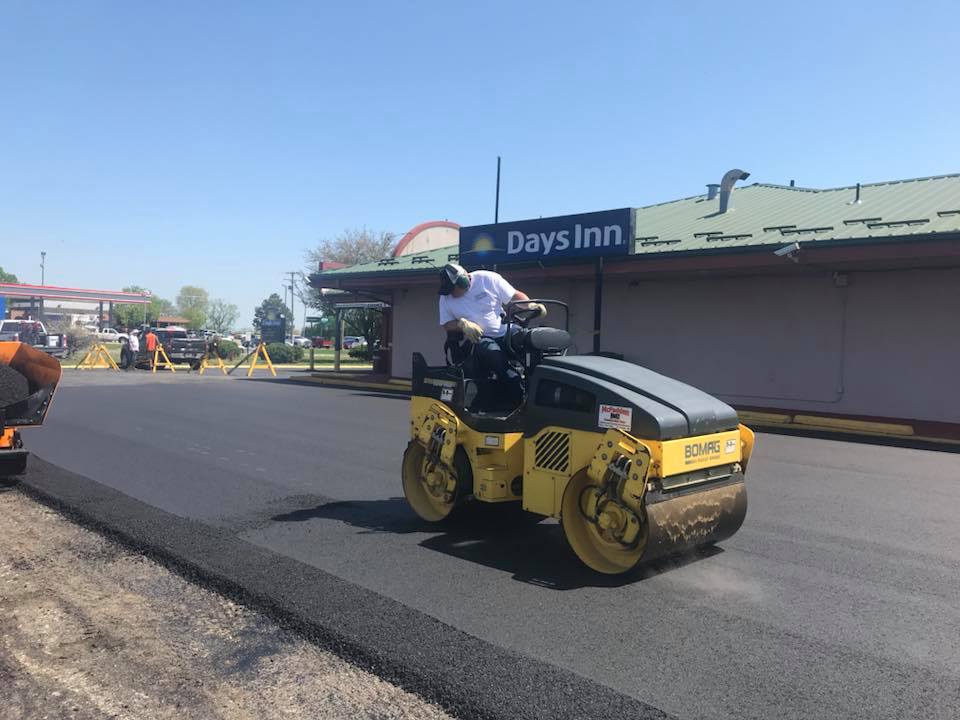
x=749 y=416
x=854 y=425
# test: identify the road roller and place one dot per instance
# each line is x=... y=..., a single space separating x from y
x=635 y=465
x=28 y=380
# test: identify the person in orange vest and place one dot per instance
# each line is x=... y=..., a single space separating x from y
x=151 y=344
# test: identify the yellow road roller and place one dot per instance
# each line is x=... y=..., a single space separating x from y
x=28 y=380
x=635 y=465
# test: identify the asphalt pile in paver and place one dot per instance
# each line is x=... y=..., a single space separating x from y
x=13 y=386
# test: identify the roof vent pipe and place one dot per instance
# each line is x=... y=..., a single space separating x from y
x=726 y=187
x=712 y=189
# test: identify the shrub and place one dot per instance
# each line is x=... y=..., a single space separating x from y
x=364 y=352
x=229 y=350
x=283 y=353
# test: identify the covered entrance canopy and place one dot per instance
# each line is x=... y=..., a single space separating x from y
x=33 y=297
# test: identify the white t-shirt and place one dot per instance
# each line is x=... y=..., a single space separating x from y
x=482 y=303
x=134 y=343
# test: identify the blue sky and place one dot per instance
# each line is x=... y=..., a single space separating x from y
x=212 y=143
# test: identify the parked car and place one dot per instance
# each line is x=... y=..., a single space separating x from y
x=301 y=341
x=34 y=333
x=352 y=341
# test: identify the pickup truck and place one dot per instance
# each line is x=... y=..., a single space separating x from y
x=33 y=333
x=179 y=346
x=110 y=335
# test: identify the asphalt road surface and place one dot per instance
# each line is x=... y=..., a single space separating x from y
x=839 y=598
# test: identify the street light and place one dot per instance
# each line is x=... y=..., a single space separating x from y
x=43 y=263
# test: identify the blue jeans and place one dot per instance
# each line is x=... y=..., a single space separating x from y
x=492 y=357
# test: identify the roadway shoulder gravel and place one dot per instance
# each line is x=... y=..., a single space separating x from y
x=89 y=630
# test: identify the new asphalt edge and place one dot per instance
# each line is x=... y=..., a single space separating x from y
x=467 y=676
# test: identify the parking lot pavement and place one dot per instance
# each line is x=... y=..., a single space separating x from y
x=837 y=599
x=91 y=630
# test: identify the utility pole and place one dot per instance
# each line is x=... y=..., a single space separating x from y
x=43 y=270
x=293 y=300
x=496 y=206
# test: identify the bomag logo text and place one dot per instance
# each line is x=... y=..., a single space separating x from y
x=695 y=450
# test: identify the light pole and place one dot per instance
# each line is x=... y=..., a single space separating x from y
x=43 y=263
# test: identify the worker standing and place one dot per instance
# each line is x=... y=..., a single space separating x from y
x=151 y=342
x=133 y=348
x=124 y=353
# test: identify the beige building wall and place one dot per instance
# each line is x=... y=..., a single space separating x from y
x=885 y=345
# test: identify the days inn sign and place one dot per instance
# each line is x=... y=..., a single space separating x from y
x=556 y=238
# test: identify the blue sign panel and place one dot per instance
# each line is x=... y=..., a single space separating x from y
x=555 y=238
x=3 y=307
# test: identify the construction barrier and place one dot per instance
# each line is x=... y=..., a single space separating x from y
x=160 y=354
x=212 y=361
x=261 y=349
x=97 y=357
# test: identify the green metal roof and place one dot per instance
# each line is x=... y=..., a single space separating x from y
x=419 y=261
x=763 y=214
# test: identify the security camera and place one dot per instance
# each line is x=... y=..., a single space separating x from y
x=788 y=250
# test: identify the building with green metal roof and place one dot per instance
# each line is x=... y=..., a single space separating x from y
x=839 y=302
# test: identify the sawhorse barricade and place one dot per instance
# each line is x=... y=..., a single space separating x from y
x=212 y=361
x=260 y=350
x=159 y=353
x=97 y=357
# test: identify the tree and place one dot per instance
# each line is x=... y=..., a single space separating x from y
x=159 y=306
x=351 y=247
x=192 y=303
x=274 y=302
x=130 y=316
x=7 y=277
x=221 y=315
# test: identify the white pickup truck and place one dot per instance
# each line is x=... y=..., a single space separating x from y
x=110 y=335
x=34 y=333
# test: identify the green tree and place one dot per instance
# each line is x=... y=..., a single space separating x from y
x=351 y=247
x=159 y=306
x=130 y=316
x=7 y=277
x=274 y=302
x=221 y=315
x=192 y=303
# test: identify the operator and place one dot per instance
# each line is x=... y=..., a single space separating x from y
x=472 y=303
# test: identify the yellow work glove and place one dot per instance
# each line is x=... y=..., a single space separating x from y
x=540 y=307
x=471 y=331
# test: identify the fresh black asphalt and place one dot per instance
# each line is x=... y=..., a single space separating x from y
x=838 y=598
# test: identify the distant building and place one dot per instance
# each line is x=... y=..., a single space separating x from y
x=168 y=320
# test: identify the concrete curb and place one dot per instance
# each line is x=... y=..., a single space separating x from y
x=467 y=676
